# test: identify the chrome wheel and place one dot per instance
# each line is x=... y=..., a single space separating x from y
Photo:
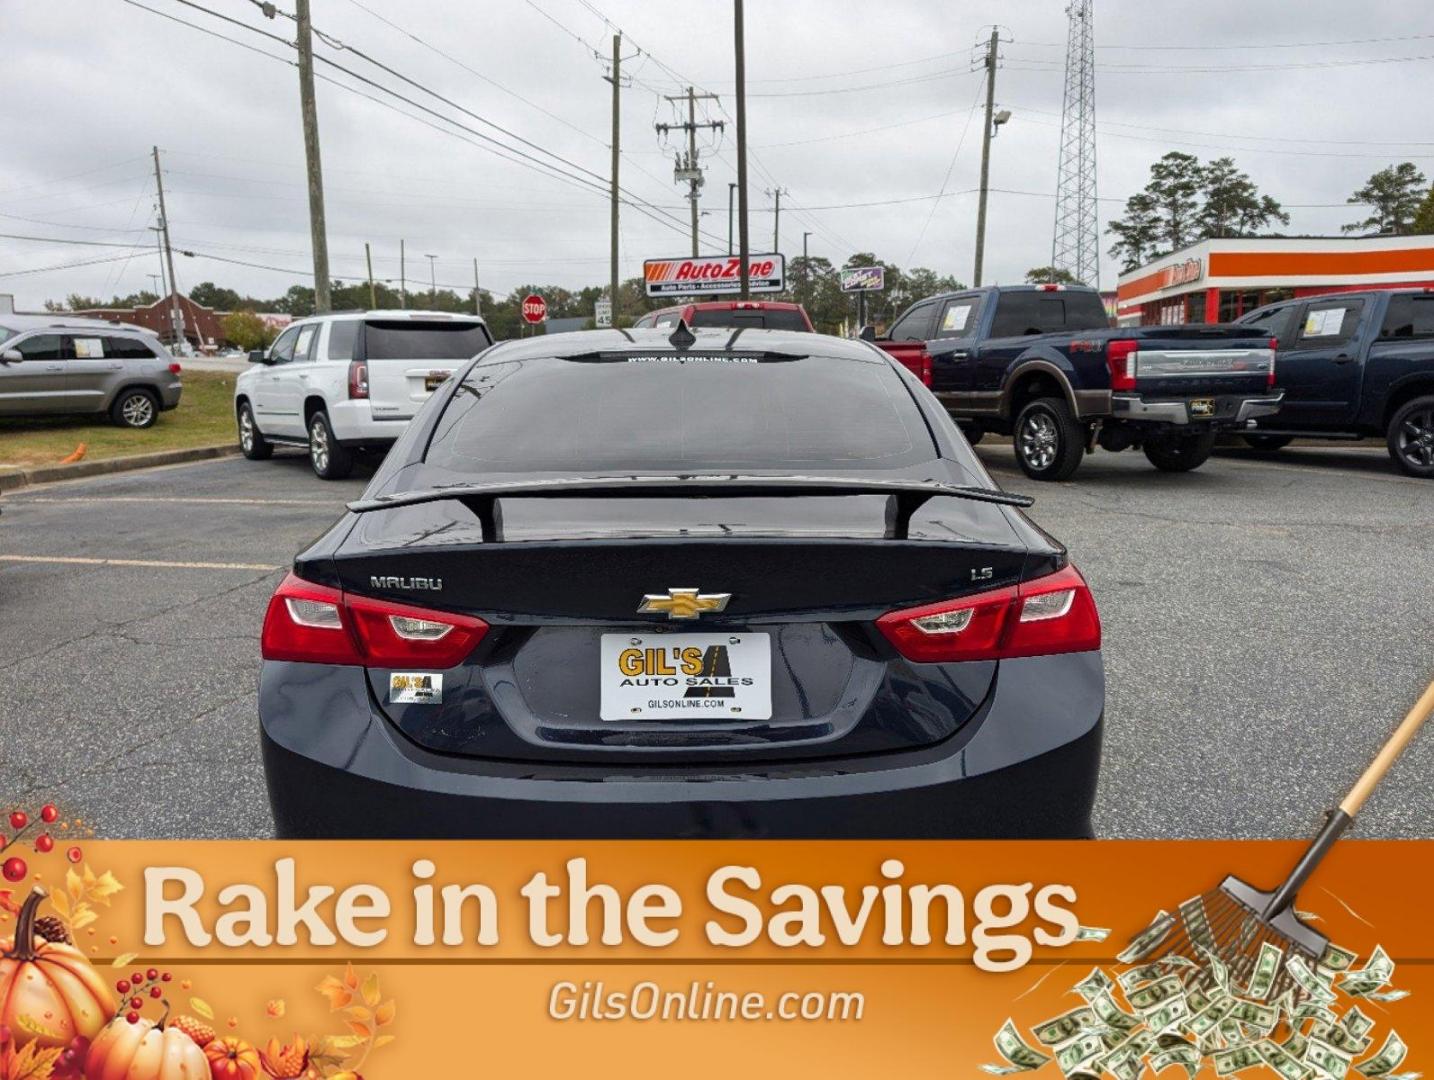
x=246 y=431
x=1415 y=440
x=1038 y=440
x=137 y=410
x=319 y=445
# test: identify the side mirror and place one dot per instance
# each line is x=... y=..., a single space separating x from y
x=11 y=356
x=258 y=356
x=867 y=333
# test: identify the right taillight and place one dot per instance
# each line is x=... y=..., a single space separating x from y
x=319 y=625
x=1274 y=350
x=1118 y=357
x=358 y=379
x=1052 y=614
x=925 y=368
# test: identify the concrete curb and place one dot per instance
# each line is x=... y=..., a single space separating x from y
x=48 y=474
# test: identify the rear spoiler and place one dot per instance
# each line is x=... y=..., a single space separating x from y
x=907 y=496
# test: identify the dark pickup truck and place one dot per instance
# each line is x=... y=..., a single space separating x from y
x=1353 y=365
x=1043 y=364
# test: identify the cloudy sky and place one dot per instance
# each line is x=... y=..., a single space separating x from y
x=860 y=112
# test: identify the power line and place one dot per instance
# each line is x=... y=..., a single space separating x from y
x=62 y=266
x=956 y=153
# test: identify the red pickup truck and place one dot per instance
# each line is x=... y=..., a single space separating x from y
x=758 y=314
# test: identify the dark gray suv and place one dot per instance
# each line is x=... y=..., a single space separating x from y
x=51 y=366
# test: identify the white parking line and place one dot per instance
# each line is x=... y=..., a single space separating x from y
x=71 y=560
x=171 y=499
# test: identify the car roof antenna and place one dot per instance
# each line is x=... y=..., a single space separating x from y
x=682 y=336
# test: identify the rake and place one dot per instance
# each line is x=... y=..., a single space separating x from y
x=1233 y=921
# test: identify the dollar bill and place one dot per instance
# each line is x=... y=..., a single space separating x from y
x=1168 y=1015
x=1387 y=995
x=1092 y=933
x=1335 y=958
x=1281 y=1060
x=1217 y=969
x=1149 y=939
x=1267 y=966
x=1257 y=1015
x=1337 y=1036
x=1376 y=973
x=1184 y=1055
x=1208 y=1019
x=1308 y=981
x=1112 y=1015
x=1082 y=1050
x=1390 y=1057
x=1355 y=1022
x=1151 y=996
x=1063 y=1028
x=1020 y=1057
x=1295 y=1044
x=1197 y=923
x=1235 y=1059
x=1329 y=1060
x=1144 y=973
x=1094 y=984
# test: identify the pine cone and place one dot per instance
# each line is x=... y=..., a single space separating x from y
x=52 y=929
x=197 y=1030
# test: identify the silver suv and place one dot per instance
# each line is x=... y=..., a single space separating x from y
x=53 y=366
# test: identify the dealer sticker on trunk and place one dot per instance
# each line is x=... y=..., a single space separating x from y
x=415 y=688
x=696 y=677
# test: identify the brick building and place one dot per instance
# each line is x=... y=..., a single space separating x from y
x=203 y=326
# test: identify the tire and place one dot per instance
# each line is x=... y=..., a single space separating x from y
x=1049 y=441
x=330 y=459
x=135 y=408
x=1268 y=442
x=252 y=443
x=1411 y=437
x=1180 y=453
x=973 y=432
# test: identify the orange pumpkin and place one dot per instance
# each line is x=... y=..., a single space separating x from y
x=144 y=1051
x=232 y=1058
x=49 y=993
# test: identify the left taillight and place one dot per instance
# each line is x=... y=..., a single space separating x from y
x=319 y=625
x=1051 y=614
x=358 y=379
x=175 y=369
x=1119 y=358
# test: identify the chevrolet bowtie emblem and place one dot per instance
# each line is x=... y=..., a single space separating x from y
x=683 y=603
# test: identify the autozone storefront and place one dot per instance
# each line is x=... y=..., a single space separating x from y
x=1220 y=280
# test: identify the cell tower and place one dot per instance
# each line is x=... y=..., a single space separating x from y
x=1077 y=238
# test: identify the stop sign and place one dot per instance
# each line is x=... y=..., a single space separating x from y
x=535 y=308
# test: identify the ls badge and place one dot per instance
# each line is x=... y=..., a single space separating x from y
x=415 y=688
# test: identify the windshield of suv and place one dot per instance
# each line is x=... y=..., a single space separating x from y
x=769 y=319
x=410 y=339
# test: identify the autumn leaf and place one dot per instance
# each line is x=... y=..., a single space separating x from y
x=335 y=1043
x=7 y=902
x=351 y=979
x=33 y=1063
x=123 y=960
x=84 y=915
x=383 y=1040
x=276 y=1008
x=338 y=994
x=101 y=889
x=363 y=1031
x=371 y=993
x=61 y=903
x=384 y=1014
x=202 y=1007
x=359 y=1013
x=74 y=885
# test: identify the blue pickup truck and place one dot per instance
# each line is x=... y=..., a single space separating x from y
x=1043 y=364
x=1353 y=365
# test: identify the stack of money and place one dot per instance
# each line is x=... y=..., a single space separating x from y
x=1193 y=1011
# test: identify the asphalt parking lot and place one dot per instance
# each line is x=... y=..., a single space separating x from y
x=1268 y=620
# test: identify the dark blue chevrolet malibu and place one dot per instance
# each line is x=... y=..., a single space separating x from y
x=692 y=584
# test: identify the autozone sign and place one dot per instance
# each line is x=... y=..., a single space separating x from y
x=1181 y=273
x=714 y=275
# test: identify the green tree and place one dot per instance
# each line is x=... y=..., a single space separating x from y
x=1395 y=195
x=1137 y=233
x=212 y=296
x=1233 y=205
x=1051 y=275
x=245 y=330
x=1175 y=185
x=1424 y=219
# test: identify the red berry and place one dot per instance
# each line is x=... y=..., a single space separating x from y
x=152 y=974
x=74 y=854
x=136 y=1003
x=122 y=986
x=132 y=1017
x=19 y=819
x=137 y=978
x=48 y=814
x=165 y=977
x=155 y=991
x=14 y=869
x=44 y=843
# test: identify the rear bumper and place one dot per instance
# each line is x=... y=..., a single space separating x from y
x=169 y=394
x=1025 y=767
x=353 y=422
x=1223 y=410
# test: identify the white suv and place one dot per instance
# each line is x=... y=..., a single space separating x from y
x=343 y=383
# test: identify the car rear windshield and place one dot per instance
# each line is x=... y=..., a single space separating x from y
x=1035 y=311
x=777 y=319
x=583 y=416
x=409 y=339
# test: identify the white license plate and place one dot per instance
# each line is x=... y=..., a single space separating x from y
x=686 y=677
x=434 y=379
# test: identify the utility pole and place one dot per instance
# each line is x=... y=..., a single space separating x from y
x=372 y=296
x=806 y=270
x=402 y=277
x=741 y=51
x=614 y=77
x=317 y=230
x=176 y=316
x=433 y=281
x=477 y=296
x=731 y=191
x=688 y=168
x=991 y=57
x=777 y=217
